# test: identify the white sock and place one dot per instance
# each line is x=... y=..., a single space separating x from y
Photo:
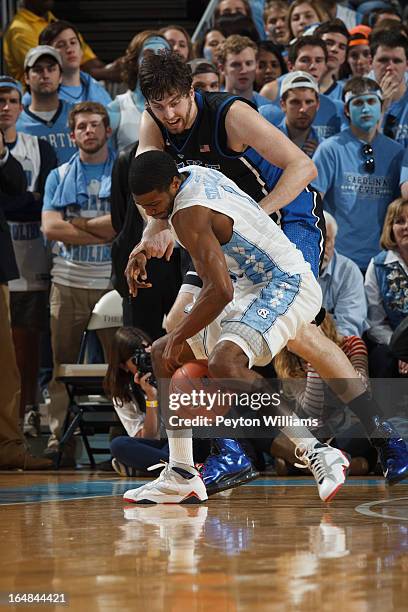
x=180 y=447
x=300 y=436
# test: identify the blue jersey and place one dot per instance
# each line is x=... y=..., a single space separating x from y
x=56 y=131
x=358 y=200
x=205 y=144
x=404 y=169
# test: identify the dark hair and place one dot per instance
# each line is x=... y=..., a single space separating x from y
x=334 y=25
x=200 y=44
x=130 y=61
x=54 y=29
x=200 y=65
x=124 y=344
x=388 y=38
x=88 y=107
x=305 y=41
x=186 y=35
x=163 y=73
x=150 y=171
x=270 y=47
x=359 y=85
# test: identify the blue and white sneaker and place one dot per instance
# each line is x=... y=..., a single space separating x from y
x=227 y=467
x=392 y=451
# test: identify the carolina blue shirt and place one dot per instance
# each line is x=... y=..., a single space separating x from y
x=272 y=113
x=88 y=91
x=313 y=135
x=81 y=265
x=260 y=100
x=335 y=91
x=357 y=200
x=342 y=286
x=399 y=110
x=404 y=169
x=56 y=131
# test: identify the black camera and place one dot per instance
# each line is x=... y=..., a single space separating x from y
x=143 y=361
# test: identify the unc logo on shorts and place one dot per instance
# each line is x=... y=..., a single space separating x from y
x=263 y=312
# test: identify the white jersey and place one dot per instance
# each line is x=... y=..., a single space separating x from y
x=129 y=123
x=258 y=248
x=28 y=241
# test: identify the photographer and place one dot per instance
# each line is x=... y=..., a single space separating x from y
x=127 y=382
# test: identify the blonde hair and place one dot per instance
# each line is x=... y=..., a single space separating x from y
x=387 y=239
x=234 y=44
x=288 y=365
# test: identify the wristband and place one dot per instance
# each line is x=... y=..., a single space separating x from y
x=152 y=404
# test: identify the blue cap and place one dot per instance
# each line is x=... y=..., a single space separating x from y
x=10 y=83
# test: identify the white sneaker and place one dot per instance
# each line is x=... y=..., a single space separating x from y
x=173 y=486
x=327 y=464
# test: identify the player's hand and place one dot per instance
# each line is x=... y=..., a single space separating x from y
x=136 y=274
x=172 y=352
x=158 y=245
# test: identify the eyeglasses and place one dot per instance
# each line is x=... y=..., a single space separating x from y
x=369 y=162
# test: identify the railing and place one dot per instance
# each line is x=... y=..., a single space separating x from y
x=205 y=22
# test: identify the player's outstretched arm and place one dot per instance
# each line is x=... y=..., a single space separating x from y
x=194 y=230
x=245 y=127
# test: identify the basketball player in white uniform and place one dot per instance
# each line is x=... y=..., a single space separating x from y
x=236 y=324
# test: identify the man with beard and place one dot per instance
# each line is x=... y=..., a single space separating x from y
x=76 y=217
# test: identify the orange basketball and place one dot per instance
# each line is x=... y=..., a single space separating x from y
x=193 y=393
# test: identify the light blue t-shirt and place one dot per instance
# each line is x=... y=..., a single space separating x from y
x=56 y=131
x=89 y=91
x=311 y=136
x=81 y=265
x=404 y=168
x=399 y=110
x=335 y=91
x=357 y=200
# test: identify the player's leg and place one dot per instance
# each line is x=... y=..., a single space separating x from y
x=179 y=481
x=328 y=465
x=334 y=367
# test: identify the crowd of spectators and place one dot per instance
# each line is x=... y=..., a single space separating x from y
x=331 y=76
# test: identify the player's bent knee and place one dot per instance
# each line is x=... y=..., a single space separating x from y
x=225 y=360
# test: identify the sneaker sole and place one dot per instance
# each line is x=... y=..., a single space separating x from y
x=191 y=498
x=236 y=481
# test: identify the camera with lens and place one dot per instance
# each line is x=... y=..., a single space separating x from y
x=143 y=361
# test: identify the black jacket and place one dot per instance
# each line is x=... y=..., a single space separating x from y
x=126 y=219
x=12 y=183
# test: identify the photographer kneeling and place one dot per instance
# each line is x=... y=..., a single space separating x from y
x=129 y=382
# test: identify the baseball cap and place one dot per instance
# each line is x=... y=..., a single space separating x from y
x=200 y=65
x=10 y=83
x=36 y=52
x=297 y=79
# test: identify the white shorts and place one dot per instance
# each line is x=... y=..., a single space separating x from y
x=263 y=318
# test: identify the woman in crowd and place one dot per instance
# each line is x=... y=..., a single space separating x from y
x=302 y=14
x=270 y=64
x=359 y=55
x=179 y=40
x=209 y=45
x=135 y=401
x=125 y=112
x=386 y=285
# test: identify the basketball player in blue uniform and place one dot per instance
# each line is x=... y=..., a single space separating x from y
x=236 y=324
x=226 y=133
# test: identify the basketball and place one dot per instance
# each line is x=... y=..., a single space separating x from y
x=193 y=393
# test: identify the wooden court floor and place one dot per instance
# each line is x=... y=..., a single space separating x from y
x=270 y=545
